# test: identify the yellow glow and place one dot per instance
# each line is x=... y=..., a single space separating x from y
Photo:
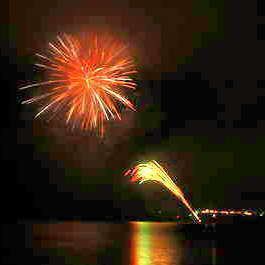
x=154 y=245
x=152 y=171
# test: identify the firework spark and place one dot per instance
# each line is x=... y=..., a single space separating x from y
x=85 y=80
x=152 y=171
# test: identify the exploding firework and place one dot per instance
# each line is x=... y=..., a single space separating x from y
x=87 y=79
x=152 y=171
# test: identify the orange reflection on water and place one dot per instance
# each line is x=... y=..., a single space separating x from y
x=154 y=244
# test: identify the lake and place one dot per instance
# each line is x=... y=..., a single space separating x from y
x=131 y=243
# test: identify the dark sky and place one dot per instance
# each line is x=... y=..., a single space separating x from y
x=200 y=110
x=164 y=28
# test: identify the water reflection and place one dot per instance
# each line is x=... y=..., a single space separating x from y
x=134 y=243
x=153 y=244
x=79 y=243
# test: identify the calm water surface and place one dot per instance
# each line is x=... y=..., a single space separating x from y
x=133 y=243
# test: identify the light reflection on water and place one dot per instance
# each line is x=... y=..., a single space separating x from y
x=134 y=243
x=154 y=244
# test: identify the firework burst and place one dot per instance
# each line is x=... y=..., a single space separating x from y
x=86 y=80
x=152 y=171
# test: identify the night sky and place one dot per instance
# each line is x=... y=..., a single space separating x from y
x=200 y=101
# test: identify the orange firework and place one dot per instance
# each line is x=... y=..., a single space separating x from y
x=86 y=79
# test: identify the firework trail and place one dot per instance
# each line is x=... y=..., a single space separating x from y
x=85 y=80
x=152 y=171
